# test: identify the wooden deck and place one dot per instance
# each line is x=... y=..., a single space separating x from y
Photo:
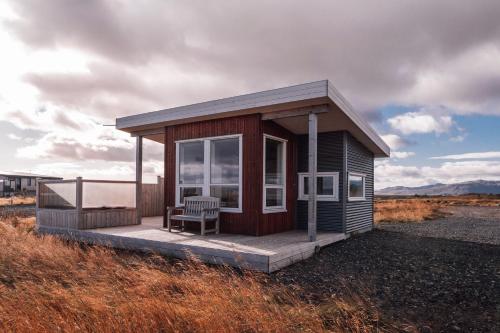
x=265 y=253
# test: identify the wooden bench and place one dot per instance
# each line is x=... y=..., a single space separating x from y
x=196 y=209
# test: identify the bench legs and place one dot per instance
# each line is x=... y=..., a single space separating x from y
x=203 y=228
x=169 y=222
x=203 y=224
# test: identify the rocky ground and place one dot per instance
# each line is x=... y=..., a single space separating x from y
x=432 y=283
x=472 y=224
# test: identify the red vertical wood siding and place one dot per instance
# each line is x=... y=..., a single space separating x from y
x=251 y=221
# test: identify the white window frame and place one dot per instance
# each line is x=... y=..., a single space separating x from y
x=206 y=171
x=273 y=209
x=333 y=174
x=357 y=174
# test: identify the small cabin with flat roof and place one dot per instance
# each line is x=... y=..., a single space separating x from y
x=291 y=158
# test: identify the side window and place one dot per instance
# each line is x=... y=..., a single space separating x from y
x=356 y=186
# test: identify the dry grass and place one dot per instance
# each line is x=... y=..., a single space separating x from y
x=406 y=210
x=17 y=200
x=418 y=209
x=47 y=284
x=481 y=200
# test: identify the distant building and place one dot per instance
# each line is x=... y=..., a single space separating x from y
x=19 y=182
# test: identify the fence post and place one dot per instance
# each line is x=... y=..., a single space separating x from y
x=37 y=200
x=79 y=201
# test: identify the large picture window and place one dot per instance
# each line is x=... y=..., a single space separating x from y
x=274 y=174
x=356 y=186
x=327 y=188
x=210 y=167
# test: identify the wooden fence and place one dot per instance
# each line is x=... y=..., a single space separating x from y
x=152 y=198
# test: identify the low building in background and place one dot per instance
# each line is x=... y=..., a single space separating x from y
x=20 y=182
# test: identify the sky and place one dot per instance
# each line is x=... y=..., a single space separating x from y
x=425 y=74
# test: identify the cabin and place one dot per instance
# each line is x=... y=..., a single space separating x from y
x=284 y=172
x=297 y=157
x=20 y=182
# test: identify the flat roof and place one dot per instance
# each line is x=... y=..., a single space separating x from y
x=26 y=174
x=341 y=115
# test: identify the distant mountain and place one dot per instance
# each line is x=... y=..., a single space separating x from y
x=476 y=187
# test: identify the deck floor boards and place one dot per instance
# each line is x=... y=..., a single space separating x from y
x=265 y=253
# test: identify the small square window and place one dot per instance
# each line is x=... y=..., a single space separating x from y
x=327 y=186
x=356 y=187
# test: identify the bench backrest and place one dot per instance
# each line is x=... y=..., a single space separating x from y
x=194 y=205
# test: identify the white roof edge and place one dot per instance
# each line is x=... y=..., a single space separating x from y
x=347 y=108
x=289 y=94
x=295 y=93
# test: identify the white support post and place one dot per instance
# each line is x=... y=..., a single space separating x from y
x=138 y=178
x=313 y=161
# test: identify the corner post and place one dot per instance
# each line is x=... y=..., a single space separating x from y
x=312 y=165
x=79 y=202
x=37 y=200
x=138 y=179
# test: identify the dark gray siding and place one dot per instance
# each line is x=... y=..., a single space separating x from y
x=359 y=214
x=330 y=159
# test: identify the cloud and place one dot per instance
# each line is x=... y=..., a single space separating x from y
x=14 y=137
x=389 y=174
x=469 y=156
x=401 y=154
x=395 y=141
x=173 y=53
x=98 y=170
x=420 y=122
x=458 y=138
x=61 y=147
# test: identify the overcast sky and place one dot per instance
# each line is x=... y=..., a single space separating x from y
x=426 y=74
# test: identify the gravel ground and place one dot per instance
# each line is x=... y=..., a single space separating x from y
x=473 y=224
x=434 y=284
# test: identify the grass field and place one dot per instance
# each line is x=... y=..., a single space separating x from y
x=417 y=209
x=17 y=200
x=47 y=285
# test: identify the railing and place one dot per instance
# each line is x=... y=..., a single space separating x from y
x=85 y=194
x=85 y=204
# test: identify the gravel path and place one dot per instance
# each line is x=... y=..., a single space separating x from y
x=473 y=224
x=434 y=284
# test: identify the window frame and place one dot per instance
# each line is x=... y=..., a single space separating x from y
x=356 y=174
x=205 y=186
x=274 y=209
x=333 y=174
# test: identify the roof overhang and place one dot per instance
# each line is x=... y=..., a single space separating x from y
x=286 y=106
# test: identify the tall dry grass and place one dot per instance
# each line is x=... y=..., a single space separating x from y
x=406 y=210
x=48 y=285
x=17 y=200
